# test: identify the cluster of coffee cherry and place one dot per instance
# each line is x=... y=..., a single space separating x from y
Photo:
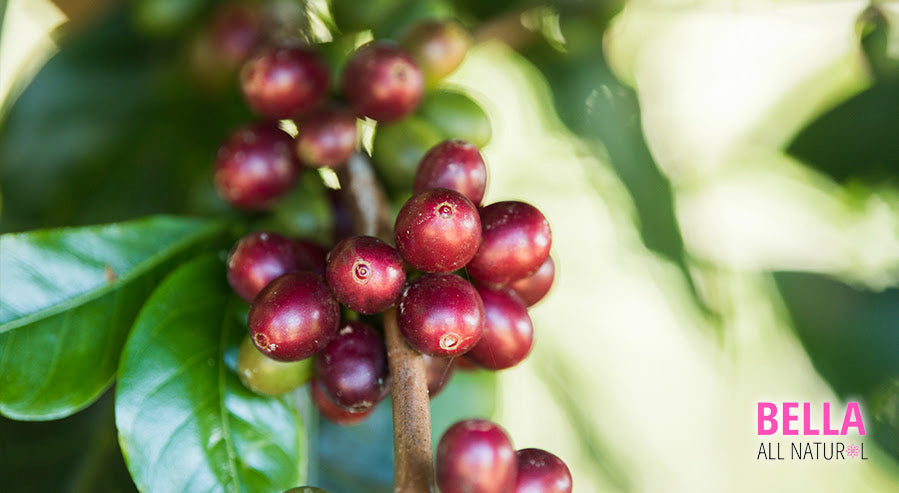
x=458 y=275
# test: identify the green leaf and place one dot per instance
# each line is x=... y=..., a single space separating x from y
x=78 y=454
x=185 y=421
x=850 y=334
x=370 y=466
x=67 y=300
x=856 y=139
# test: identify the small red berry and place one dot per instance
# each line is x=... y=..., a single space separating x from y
x=437 y=231
x=382 y=82
x=516 y=241
x=541 y=472
x=327 y=138
x=475 y=456
x=508 y=332
x=294 y=317
x=258 y=258
x=284 y=82
x=365 y=274
x=352 y=369
x=456 y=165
x=332 y=412
x=533 y=288
x=441 y=315
x=255 y=166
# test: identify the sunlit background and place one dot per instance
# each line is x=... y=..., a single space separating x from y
x=636 y=385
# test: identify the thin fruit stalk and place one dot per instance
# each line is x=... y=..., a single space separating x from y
x=413 y=470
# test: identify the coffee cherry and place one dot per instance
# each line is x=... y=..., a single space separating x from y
x=437 y=230
x=541 y=472
x=365 y=274
x=399 y=147
x=456 y=165
x=294 y=317
x=475 y=456
x=441 y=315
x=266 y=376
x=516 y=241
x=439 y=371
x=235 y=31
x=311 y=255
x=327 y=138
x=437 y=46
x=284 y=82
x=255 y=166
x=533 y=288
x=352 y=370
x=332 y=412
x=258 y=258
x=456 y=114
x=382 y=82
x=463 y=363
x=508 y=332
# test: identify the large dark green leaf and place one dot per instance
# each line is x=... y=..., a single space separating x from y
x=185 y=421
x=67 y=300
x=851 y=335
x=111 y=128
x=78 y=454
x=369 y=467
x=857 y=138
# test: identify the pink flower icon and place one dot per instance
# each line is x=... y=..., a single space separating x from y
x=852 y=451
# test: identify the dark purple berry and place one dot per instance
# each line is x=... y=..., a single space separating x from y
x=255 y=166
x=437 y=230
x=352 y=369
x=516 y=241
x=332 y=412
x=456 y=165
x=312 y=256
x=441 y=315
x=258 y=258
x=294 y=317
x=508 y=332
x=437 y=46
x=533 y=288
x=327 y=138
x=541 y=472
x=475 y=456
x=284 y=82
x=439 y=371
x=365 y=274
x=382 y=82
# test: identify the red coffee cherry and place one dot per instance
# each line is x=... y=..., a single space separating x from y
x=441 y=315
x=439 y=47
x=516 y=241
x=382 y=82
x=437 y=231
x=235 y=31
x=284 y=81
x=508 y=332
x=439 y=372
x=258 y=258
x=365 y=274
x=533 y=288
x=255 y=166
x=352 y=370
x=332 y=412
x=475 y=456
x=541 y=472
x=456 y=165
x=327 y=138
x=294 y=317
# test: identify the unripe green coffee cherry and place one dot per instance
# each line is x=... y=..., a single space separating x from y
x=266 y=376
x=398 y=148
x=456 y=116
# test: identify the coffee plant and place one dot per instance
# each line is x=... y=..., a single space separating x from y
x=225 y=329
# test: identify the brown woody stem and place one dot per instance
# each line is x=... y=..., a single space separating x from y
x=413 y=470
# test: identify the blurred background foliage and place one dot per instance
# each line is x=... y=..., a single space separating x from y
x=720 y=177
